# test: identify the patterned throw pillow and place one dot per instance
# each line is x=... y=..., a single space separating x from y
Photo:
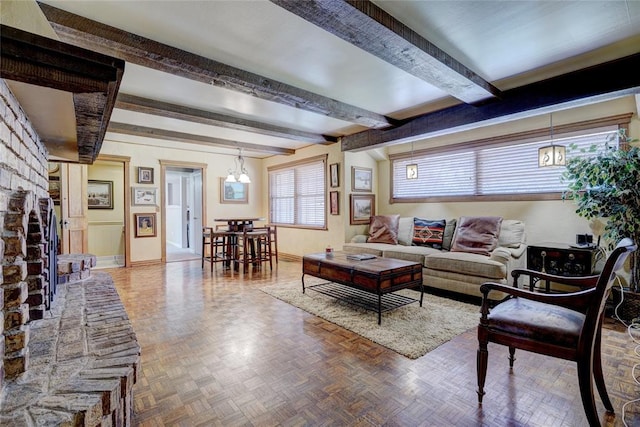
x=428 y=232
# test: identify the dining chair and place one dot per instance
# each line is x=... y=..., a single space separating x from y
x=567 y=326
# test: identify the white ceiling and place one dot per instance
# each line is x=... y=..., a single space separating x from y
x=507 y=43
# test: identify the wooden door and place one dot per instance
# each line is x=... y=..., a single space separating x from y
x=73 y=204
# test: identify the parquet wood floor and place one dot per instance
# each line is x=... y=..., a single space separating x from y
x=216 y=351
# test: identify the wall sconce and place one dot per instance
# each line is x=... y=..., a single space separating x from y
x=240 y=173
x=552 y=155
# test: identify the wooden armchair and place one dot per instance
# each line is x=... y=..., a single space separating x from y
x=567 y=326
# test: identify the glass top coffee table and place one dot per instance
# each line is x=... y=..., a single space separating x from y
x=367 y=283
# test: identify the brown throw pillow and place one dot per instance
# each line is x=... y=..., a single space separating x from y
x=384 y=229
x=477 y=235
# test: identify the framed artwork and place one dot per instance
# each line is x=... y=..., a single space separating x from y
x=233 y=192
x=361 y=179
x=145 y=225
x=145 y=175
x=54 y=189
x=333 y=203
x=334 y=180
x=100 y=194
x=141 y=196
x=362 y=208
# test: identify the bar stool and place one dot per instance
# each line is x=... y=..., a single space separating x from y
x=254 y=247
x=214 y=246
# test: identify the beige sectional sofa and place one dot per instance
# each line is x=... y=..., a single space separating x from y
x=450 y=266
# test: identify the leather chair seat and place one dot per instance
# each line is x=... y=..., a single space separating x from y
x=538 y=321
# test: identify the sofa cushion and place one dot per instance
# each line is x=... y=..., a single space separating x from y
x=511 y=233
x=428 y=232
x=405 y=230
x=477 y=234
x=384 y=229
x=466 y=263
x=409 y=253
x=449 y=231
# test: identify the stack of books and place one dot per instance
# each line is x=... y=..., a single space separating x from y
x=360 y=257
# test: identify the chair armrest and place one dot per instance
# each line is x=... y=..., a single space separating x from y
x=581 y=281
x=578 y=301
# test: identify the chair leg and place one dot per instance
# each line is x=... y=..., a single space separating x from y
x=585 y=382
x=598 y=375
x=483 y=356
x=512 y=356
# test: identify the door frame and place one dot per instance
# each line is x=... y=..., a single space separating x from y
x=126 y=161
x=164 y=164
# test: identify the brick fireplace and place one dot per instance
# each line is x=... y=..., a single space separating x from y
x=68 y=353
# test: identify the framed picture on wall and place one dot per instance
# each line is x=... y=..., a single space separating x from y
x=361 y=179
x=145 y=175
x=141 y=196
x=362 y=208
x=233 y=192
x=100 y=194
x=334 y=177
x=333 y=203
x=146 y=225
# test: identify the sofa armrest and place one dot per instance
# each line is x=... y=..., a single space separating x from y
x=519 y=251
x=359 y=238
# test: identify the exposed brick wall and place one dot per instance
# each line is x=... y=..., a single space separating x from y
x=23 y=182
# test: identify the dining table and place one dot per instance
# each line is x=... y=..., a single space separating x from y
x=239 y=223
x=235 y=227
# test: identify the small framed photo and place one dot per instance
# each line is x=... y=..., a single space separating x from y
x=141 y=196
x=146 y=225
x=362 y=208
x=334 y=207
x=233 y=192
x=361 y=179
x=100 y=194
x=334 y=178
x=54 y=189
x=145 y=175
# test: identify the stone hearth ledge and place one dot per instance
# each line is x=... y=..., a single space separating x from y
x=84 y=359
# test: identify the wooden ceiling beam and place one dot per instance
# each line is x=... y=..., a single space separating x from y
x=92 y=78
x=594 y=84
x=179 y=112
x=370 y=28
x=148 y=132
x=139 y=50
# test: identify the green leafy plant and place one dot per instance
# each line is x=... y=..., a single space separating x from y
x=606 y=185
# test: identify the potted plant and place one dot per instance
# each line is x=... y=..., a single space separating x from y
x=605 y=186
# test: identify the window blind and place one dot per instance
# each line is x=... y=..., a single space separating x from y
x=298 y=194
x=500 y=169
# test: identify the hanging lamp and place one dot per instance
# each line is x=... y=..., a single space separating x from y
x=552 y=155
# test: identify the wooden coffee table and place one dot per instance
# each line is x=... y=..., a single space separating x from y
x=359 y=282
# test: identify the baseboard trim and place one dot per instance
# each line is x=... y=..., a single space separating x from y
x=146 y=263
x=289 y=257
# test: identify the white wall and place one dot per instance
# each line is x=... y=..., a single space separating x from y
x=106 y=237
x=149 y=248
x=545 y=220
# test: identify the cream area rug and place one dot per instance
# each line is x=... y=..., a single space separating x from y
x=410 y=330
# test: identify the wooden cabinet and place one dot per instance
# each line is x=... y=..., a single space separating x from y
x=563 y=260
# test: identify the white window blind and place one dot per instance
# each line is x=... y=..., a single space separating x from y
x=298 y=194
x=499 y=169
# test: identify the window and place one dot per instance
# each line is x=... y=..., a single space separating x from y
x=297 y=193
x=499 y=168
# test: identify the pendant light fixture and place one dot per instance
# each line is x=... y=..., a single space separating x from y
x=552 y=155
x=412 y=168
x=240 y=174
